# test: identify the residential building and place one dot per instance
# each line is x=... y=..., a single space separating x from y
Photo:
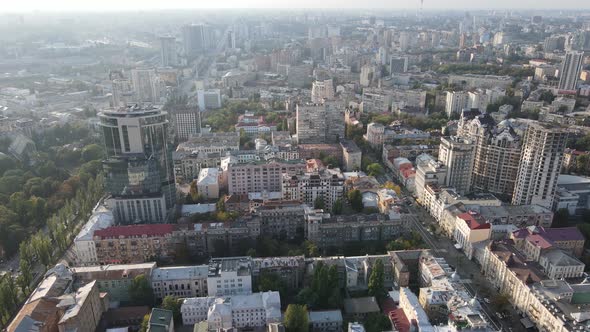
x=532 y=239
x=558 y=264
x=281 y=219
x=197 y=38
x=517 y=215
x=229 y=276
x=325 y=321
x=253 y=125
x=84 y=249
x=378 y=134
x=122 y=90
x=168 y=53
x=470 y=229
x=456 y=102
x=208 y=183
x=179 y=281
x=113 y=279
x=82 y=310
x=429 y=171
x=457 y=154
x=134 y=244
x=360 y=307
x=147 y=86
x=139 y=170
x=209 y=99
x=540 y=164
x=260 y=176
x=472 y=81
x=221 y=143
x=319 y=123
x=398 y=64
x=235 y=311
x=161 y=320
x=369 y=74
x=351 y=155
x=322 y=90
x=327 y=231
x=188 y=165
x=290 y=269
x=570 y=70
x=326 y=185
x=186 y=121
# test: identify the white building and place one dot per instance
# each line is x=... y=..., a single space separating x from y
x=429 y=171
x=456 y=102
x=84 y=248
x=229 y=276
x=457 y=155
x=327 y=185
x=570 y=70
x=208 y=183
x=236 y=311
x=146 y=85
x=321 y=90
x=180 y=281
x=209 y=99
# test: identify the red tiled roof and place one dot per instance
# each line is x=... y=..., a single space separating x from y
x=539 y=241
x=135 y=230
x=472 y=222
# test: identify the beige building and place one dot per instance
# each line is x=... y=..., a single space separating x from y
x=134 y=244
x=260 y=176
x=351 y=155
x=208 y=183
x=82 y=310
x=457 y=154
x=326 y=185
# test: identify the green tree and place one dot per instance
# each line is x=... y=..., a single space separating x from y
x=296 y=318
x=140 y=291
x=561 y=218
x=145 y=323
x=375 y=169
x=42 y=247
x=337 y=207
x=269 y=281
x=318 y=203
x=92 y=152
x=355 y=198
x=376 y=280
x=173 y=304
x=377 y=322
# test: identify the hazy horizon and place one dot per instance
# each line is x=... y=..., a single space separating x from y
x=131 y=5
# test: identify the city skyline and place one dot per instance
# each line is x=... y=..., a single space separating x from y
x=132 y=5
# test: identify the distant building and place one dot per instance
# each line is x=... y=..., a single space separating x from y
x=570 y=70
x=209 y=99
x=319 y=124
x=197 y=38
x=168 y=53
x=186 y=121
x=456 y=102
x=147 y=87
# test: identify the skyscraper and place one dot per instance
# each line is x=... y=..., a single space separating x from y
x=540 y=164
x=456 y=102
x=139 y=167
x=168 y=54
x=146 y=85
x=570 y=70
x=197 y=38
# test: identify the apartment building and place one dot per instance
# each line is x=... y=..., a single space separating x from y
x=325 y=185
x=283 y=219
x=134 y=244
x=179 y=281
x=229 y=276
x=458 y=155
x=260 y=176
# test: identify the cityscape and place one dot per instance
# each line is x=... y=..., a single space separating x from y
x=295 y=167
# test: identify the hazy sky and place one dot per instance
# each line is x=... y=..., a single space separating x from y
x=115 y=5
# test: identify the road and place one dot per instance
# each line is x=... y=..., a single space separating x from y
x=472 y=278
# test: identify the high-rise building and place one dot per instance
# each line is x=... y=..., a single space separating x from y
x=187 y=122
x=319 y=124
x=122 y=92
x=168 y=54
x=456 y=102
x=197 y=38
x=398 y=64
x=540 y=164
x=139 y=166
x=457 y=154
x=321 y=90
x=570 y=70
x=146 y=86
x=368 y=75
x=209 y=99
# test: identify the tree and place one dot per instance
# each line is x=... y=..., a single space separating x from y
x=145 y=323
x=561 y=218
x=337 y=207
x=42 y=247
x=173 y=304
x=392 y=186
x=376 y=287
x=355 y=198
x=296 y=318
x=318 y=203
x=377 y=322
x=269 y=281
x=92 y=152
x=375 y=169
x=140 y=291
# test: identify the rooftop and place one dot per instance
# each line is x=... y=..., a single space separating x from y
x=241 y=265
x=180 y=272
x=325 y=316
x=149 y=230
x=113 y=272
x=160 y=320
x=361 y=305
